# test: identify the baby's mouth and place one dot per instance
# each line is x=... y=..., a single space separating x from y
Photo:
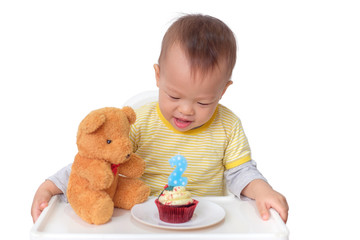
x=181 y=123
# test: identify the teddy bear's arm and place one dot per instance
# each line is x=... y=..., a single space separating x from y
x=134 y=167
x=98 y=173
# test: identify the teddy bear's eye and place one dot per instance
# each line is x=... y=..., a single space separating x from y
x=108 y=141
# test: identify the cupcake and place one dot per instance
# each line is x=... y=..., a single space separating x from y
x=175 y=204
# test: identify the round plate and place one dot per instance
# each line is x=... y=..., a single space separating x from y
x=206 y=214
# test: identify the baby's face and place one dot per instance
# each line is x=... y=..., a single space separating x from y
x=187 y=100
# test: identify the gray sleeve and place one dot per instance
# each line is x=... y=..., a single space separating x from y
x=239 y=177
x=61 y=179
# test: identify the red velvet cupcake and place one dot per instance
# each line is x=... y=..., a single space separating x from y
x=175 y=205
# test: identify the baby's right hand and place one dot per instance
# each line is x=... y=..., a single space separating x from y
x=42 y=197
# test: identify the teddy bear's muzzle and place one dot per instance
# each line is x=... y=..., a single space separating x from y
x=123 y=158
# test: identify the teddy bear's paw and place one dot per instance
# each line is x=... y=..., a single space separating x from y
x=130 y=192
x=103 y=182
x=143 y=194
x=101 y=211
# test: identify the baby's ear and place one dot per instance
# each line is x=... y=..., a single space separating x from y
x=130 y=114
x=92 y=122
x=157 y=73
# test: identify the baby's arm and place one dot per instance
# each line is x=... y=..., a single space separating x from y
x=246 y=180
x=56 y=184
x=239 y=177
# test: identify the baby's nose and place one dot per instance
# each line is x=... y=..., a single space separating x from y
x=186 y=109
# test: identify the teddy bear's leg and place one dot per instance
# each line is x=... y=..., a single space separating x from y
x=129 y=192
x=95 y=207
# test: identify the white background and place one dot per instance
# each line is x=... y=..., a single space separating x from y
x=295 y=89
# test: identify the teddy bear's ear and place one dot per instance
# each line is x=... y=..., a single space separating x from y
x=130 y=113
x=92 y=122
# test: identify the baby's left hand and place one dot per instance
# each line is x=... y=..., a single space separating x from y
x=266 y=198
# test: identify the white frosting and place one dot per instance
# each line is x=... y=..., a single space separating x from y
x=178 y=196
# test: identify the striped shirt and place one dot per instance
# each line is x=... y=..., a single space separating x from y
x=218 y=145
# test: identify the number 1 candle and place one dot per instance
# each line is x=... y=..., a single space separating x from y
x=180 y=164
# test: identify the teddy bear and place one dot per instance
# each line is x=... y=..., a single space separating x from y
x=105 y=151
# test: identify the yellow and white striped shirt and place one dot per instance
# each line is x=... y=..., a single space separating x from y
x=218 y=145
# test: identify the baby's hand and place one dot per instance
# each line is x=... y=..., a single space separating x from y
x=42 y=197
x=267 y=198
x=37 y=208
x=272 y=199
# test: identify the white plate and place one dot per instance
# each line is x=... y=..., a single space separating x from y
x=206 y=214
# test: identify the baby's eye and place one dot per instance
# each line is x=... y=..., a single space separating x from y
x=176 y=98
x=204 y=104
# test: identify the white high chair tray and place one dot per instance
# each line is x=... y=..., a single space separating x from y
x=227 y=218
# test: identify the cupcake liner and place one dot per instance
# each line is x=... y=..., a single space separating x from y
x=176 y=214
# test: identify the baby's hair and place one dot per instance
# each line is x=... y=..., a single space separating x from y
x=206 y=40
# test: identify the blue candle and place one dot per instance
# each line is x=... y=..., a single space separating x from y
x=180 y=164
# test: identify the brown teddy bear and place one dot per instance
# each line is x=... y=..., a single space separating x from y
x=104 y=152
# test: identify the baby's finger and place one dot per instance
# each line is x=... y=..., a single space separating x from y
x=282 y=208
x=43 y=205
x=263 y=210
x=37 y=211
x=284 y=215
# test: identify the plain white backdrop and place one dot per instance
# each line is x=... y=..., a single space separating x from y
x=295 y=89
